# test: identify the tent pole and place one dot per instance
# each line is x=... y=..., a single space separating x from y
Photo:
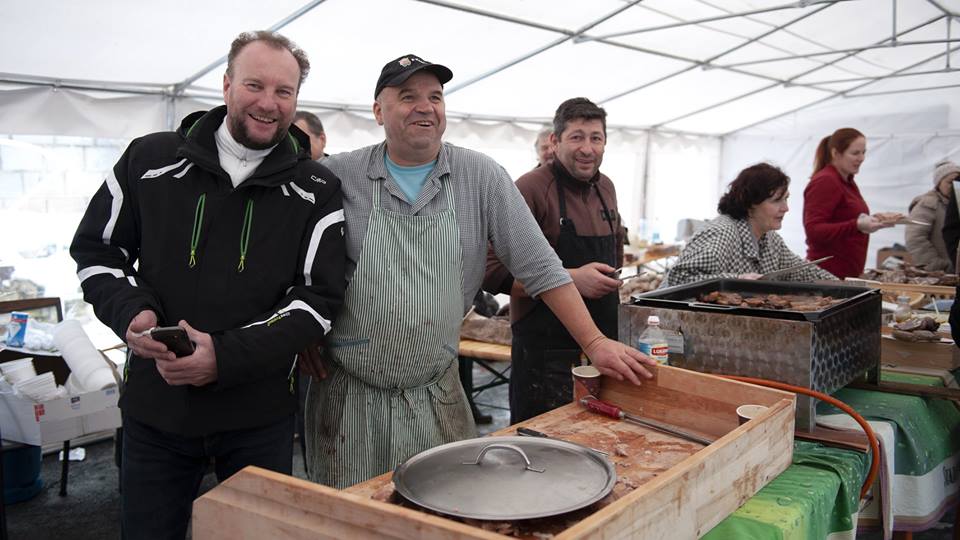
x=903 y=90
x=817 y=102
x=911 y=74
x=713 y=58
x=793 y=5
x=948 y=43
x=179 y=87
x=944 y=10
x=539 y=50
x=840 y=51
x=833 y=95
x=171 y=110
x=662 y=54
x=893 y=32
x=645 y=207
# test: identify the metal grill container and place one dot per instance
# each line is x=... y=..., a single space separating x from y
x=822 y=350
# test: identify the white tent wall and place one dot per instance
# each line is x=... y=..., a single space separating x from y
x=681 y=182
x=45 y=110
x=906 y=135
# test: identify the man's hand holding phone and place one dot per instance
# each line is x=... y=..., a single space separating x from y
x=175 y=338
x=196 y=368
x=139 y=340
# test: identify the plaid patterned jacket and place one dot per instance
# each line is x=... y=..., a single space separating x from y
x=727 y=249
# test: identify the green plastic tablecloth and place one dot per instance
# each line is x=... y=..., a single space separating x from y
x=817 y=495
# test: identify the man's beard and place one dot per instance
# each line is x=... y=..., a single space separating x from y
x=239 y=132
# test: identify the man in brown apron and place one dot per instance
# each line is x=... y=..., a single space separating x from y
x=420 y=214
x=576 y=207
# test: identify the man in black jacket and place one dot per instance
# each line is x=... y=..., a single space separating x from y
x=229 y=230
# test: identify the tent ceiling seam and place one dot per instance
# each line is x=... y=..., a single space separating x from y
x=698 y=22
x=788 y=32
x=892 y=45
x=724 y=53
x=546 y=47
x=833 y=93
x=178 y=87
x=813 y=103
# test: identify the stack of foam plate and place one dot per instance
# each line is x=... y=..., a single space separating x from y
x=39 y=388
x=15 y=371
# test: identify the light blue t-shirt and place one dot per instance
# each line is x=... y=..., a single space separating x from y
x=410 y=179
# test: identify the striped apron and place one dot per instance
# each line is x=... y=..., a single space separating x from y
x=393 y=388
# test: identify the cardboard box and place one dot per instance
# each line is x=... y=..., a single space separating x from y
x=57 y=420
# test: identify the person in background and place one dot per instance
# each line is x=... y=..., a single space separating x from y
x=926 y=242
x=419 y=216
x=742 y=241
x=311 y=125
x=228 y=229
x=951 y=224
x=575 y=205
x=544 y=147
x=836 y=219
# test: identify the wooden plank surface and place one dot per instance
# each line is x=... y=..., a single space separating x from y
x=919 y=390
x=256 y=504
x=654 y=253
x=926 y=354
x=667 y=487
x=486 y=351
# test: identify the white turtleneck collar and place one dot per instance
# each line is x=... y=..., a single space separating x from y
x=236 y=159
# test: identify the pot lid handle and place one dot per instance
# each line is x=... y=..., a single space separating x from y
x=504 y=446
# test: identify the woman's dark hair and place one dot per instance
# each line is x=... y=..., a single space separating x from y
x=839 y=141
x=752 y=186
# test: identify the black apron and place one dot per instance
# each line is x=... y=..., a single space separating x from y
x=543 y=352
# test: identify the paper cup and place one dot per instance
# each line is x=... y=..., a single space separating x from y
x=745 y=413
x=586 y=382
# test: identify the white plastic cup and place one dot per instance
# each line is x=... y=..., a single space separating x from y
x=745 y=413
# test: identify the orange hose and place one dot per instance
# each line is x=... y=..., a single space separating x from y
x=874 y=445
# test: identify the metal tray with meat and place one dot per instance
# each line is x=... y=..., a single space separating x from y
x=777 y=299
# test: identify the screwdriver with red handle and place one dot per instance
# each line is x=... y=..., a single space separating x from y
x=609 y=409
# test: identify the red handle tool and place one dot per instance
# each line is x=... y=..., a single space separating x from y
x=611 y=410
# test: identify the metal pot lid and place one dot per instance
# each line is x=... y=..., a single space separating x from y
x=505 y=478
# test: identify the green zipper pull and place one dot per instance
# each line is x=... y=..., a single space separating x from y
x=245 y=234
x=197 y=223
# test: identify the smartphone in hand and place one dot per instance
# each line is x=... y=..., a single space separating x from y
x=175 y=338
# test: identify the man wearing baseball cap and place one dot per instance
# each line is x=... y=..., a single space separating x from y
x=420 y=214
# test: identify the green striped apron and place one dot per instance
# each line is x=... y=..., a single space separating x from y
x=393 y=388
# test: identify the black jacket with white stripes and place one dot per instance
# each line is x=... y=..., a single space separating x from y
x=260 y=267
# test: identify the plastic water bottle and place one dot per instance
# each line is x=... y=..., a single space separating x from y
x=652 y=342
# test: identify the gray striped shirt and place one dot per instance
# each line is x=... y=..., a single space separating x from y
x=489 y=209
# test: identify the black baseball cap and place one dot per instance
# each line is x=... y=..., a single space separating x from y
x=399 y=70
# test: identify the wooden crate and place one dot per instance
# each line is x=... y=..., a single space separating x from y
x=934 y=291
x=926 y=354
x=683 y=499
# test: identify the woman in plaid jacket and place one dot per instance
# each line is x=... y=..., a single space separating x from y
x=741 y=242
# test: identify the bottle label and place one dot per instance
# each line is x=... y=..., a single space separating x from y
x=657 y=351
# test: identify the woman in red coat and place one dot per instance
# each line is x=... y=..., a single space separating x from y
x=835 y=216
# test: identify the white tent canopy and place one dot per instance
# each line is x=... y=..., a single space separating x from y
x=695 y=89
x=699 y=66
